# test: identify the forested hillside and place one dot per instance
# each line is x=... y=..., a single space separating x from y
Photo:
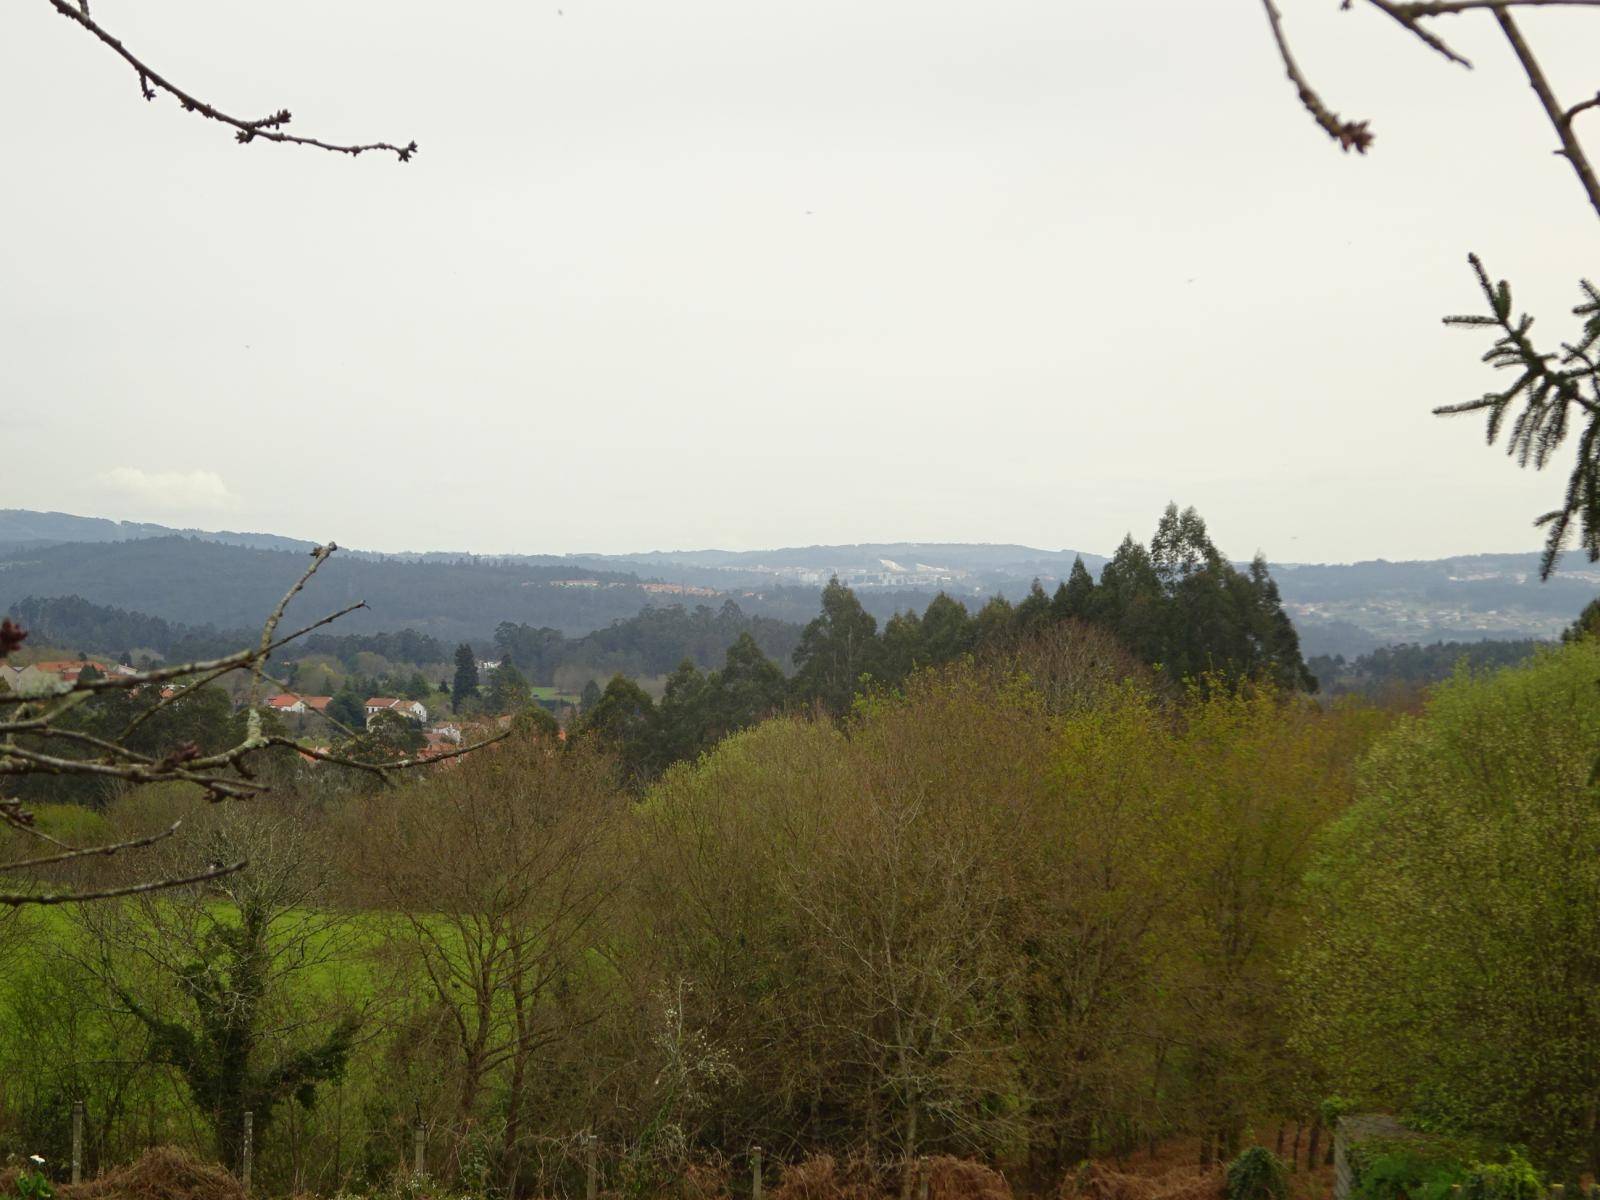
x=1415 y=666
x=196 y=582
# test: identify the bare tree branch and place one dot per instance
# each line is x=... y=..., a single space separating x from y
x=381 y=769
x=36 y=720
x=1571 y=150
x=18 y=899
x=93 y=851
x=1412 y=22
x=1349 y=134
x=269 y=128
x=1444 y=8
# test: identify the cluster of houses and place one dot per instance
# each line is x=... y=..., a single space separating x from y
x=40 y=677
x=440 y=739
x=43 y=677
x=293 y=704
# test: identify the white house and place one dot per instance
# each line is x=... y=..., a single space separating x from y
x=411 y=709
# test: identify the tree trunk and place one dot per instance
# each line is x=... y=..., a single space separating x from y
x=909 y=1171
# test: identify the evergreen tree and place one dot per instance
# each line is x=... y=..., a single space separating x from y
x=1587 y=624
x=1130 y=600
x=903 y=650
x=416 y=688
x=348 y=706
x=508 y=690
x=465 y=686
x=685 y=722
x=1034 y=611
x=749 y=688
x=625 y=718
x=836 y=650
x=588 y=698
x=994 y=624
x=947 y=631
x=1075 y=598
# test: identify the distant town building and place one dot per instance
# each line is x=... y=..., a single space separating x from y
x=678 y=589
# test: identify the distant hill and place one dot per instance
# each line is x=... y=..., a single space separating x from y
x=21 y=528
x=206 y=583
x=229 y=580
x=1354 y=608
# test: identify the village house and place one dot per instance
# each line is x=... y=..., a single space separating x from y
x=411 y=709
x=41 y=677
x=287 y=703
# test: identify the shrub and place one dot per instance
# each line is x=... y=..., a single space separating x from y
x=1405 y=1173
x=1257 y=1174
x=1514 y=1179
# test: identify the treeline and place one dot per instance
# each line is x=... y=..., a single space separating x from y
x=653 y=642
x=1179 y=606
x=71 y=622
x=1415 y=666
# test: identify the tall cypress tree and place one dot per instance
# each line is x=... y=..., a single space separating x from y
x=465 y=686
x=1075 y=597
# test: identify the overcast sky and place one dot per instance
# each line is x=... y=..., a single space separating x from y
x=748 y=273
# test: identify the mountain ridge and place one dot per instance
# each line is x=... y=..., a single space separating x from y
x=231 y=580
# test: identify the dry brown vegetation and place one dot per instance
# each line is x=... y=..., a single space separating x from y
x=162 y=1173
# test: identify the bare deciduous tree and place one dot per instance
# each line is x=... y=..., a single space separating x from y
x=497 y=874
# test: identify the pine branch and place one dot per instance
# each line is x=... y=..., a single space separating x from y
x=1548 y=386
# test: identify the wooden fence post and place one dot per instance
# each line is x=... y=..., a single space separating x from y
x=592 y=1168
x=755 y=1173
x=77 y=1141
x=419 y=1143
x=247 y=1149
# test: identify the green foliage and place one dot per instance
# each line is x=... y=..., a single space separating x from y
x=1404 y=1172
x=1413 y=665
x=1431 y=1169
x=836 y=650
x=230 y=969
x=1587 y=623
x=32 y=1185
x=1451 y=970
x=1514 y=1179
x=508 y=690
x=1257 y=1174
x=696 y=711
